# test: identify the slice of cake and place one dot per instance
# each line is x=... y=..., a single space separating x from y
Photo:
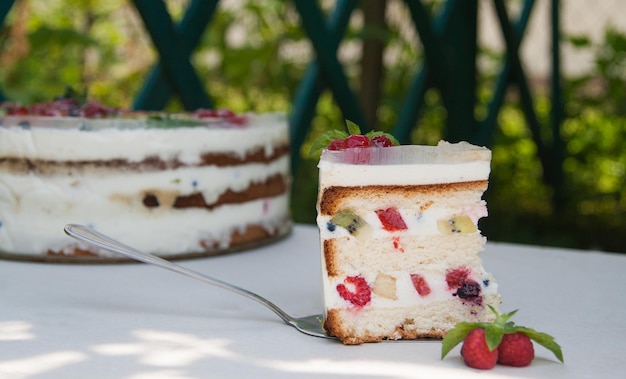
x=171 y=185
x=400 y=243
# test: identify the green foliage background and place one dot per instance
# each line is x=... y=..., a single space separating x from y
x=253 y=56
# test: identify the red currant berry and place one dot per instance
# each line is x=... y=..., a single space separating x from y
x=356 y=140
x=381 y=141
x=337 y=144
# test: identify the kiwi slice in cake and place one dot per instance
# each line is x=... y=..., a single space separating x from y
x=457 y=224
x=353 y=223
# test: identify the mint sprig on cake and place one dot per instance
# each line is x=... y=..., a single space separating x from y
x=350 y=138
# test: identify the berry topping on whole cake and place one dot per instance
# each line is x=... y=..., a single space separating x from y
x=70 y=104
x=75 y=105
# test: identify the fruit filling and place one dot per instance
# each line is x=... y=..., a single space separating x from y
x=420 y=284
x=353 y=223
x=465 y=288
x=391 y=219
x=385 y=286
x=455 y=278
x=457 y=224
x=470 y=291
x=355 y=290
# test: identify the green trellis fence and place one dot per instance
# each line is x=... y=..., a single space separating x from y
x=449 y=41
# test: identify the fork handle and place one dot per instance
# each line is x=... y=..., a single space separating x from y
x=90 y=235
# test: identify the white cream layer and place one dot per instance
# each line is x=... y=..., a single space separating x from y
x=405 y=165
x=174 y=232
x=33 y=209
x=63 y=139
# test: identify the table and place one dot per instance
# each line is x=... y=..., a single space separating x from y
x=139 y=321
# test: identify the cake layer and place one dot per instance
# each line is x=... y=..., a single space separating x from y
x=346 y=256
x=430 y=320
x=137 y=140
x=130 y=188
x=424 y=209
x=419 y=197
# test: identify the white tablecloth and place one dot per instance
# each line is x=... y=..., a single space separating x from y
x=139 y=321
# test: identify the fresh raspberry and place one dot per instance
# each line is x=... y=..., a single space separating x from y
x=356 y=140
x=475 y=352
x=359 y=294
x=420 y=284
x=457 y=277
x=391 y=219
x=516 y=350
x=337 y=144
x=381 y=141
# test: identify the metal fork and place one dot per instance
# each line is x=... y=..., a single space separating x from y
x=310 y=325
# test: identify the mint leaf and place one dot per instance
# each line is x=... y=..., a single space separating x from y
x=544 y=340
x=502 y=319
x=493 y=335
x=455 y=336
x=352 y=127
x=324 y=140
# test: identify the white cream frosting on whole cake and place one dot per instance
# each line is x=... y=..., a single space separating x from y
x=429 y=188
x=171 y=188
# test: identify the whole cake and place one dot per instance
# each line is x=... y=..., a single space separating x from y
x=172 y=185
x=400 y=243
